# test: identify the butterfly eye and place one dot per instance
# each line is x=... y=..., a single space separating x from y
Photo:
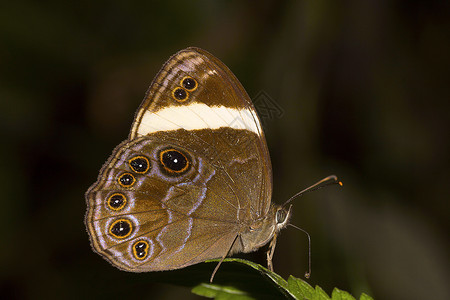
x=140 y=249
x=117 y=201
x=280 y=216
x=121 y=228
x=174 y=161
x=139 y=164
x=126 y=180
x=189 y=83
x=180 y=94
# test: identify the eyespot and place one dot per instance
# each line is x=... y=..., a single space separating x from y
x=140 y=249
x=121 y=228
x=126 y=180
x=139 y=164
x=180 y=94
x=116 y=201
x=189 y=83
x=174 y=161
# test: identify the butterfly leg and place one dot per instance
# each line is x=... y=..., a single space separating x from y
x=221 y=260
x=271 y=251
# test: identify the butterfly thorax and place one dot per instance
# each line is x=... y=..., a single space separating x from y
x=263 y=230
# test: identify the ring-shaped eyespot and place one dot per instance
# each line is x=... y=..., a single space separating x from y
x=139 y=164
x=174 y=161
x=189 y=83
x=180 y=94
x=140 y=249
x=121 y=228
x=116 y=201
x=126 y=180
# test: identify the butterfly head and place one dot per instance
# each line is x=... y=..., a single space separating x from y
x=282 y=216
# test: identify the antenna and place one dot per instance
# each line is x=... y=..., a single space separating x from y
x=332 y=179
x=307 y=274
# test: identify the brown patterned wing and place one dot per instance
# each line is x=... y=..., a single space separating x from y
x=146 y=213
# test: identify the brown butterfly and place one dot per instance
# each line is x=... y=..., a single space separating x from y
x=193 y=181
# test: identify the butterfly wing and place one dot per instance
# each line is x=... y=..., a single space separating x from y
x=195 y=112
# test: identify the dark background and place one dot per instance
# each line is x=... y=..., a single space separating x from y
x=363 y=86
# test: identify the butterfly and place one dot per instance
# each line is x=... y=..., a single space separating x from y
x=193 y=181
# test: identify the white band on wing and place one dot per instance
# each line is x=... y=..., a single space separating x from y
x=198 y=116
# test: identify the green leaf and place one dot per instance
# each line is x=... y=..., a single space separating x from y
x=365 y=297
x=243 y=280
x=300 y=289
x=220 y=292
x=320 y=294
x=341 y=295
x=248 y=279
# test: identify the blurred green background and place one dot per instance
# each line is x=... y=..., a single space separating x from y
x=365 y=93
